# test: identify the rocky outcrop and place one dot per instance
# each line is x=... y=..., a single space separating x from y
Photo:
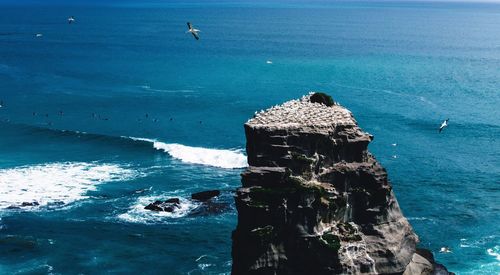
x=205 y=195
x=314 y=200
x=169 y=205
x=423 y=263
x=207 y=203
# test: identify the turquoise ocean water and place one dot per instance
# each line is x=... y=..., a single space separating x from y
x=103 y=116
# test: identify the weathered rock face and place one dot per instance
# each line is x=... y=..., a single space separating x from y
x=314 y=200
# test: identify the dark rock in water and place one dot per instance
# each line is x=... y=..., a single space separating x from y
x=155 y=206
x=169 y=205
x=173 y=200
x=23 y=204
x=30 y=204
x=205 y=195
x=315 y=201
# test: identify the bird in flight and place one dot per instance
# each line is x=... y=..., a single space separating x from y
x=193 y=31
x=443 y=125
x=71 y=19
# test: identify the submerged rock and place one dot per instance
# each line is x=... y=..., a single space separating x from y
x=205 y=195
x=314 y=200
x=24 y=204
x=210 y=208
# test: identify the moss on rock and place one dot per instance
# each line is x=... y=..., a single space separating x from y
x=331 y=241
x=322 y=98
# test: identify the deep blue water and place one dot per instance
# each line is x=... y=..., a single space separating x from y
x=130 y=70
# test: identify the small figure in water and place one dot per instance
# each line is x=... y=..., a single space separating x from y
x=445 y=249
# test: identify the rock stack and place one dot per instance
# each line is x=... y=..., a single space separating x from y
x=314 y=200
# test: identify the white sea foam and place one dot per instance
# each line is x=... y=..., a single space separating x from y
x=137 y=213
x=56 y=182
x=495 y=252
x=222 y=158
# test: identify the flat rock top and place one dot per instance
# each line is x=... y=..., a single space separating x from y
x=302 y=113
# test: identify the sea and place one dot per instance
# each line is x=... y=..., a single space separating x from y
x=122 y=107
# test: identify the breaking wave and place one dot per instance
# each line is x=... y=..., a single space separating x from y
x=494 y=252
x=221 y=158
x=204 y=156
x=55 y=183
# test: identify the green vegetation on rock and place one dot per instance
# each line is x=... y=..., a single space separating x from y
x=323 y=99
x=331 y=240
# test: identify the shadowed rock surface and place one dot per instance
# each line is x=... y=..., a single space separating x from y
x=314 y=200
x=205 y=195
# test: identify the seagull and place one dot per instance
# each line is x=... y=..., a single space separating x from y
x=71 y=19
x=269 y=62
x=443 y=125
x=193 y=31
x=38 y=35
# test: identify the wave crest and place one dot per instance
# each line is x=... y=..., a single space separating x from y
x=204 y=156
x=221 y=158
